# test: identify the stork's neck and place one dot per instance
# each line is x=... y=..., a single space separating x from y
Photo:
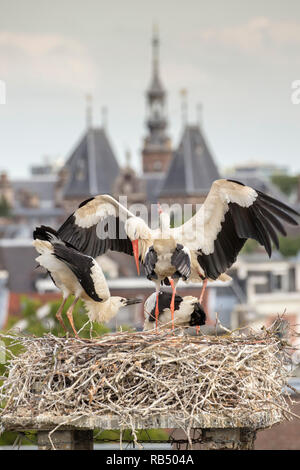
x=102 y=312
x=164 y=225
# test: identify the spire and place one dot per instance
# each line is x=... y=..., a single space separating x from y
x=155 y=50
x=156 y=90
x=128 y=158
x=184 y=107
x=104 y=114
x=89 y=110
x=157 y=148
x=156 y=121
x=199 y=113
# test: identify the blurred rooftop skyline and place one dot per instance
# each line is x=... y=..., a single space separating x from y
x=238 y=59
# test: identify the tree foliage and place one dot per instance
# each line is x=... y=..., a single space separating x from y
x=287 y=184
x=288 y=246
x=4 y=207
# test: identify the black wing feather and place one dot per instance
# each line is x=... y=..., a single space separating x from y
x=272 y=219
x=88 y=240
x=164 y=301
x=80 y=265
x=150 y=263
x=276 y=202
x=198 y=316
x=279 y=212
x=259 y=221
x=182 y=262
x=269 y=227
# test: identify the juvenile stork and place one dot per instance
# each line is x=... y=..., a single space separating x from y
x=77 y=274
x=188 y=311
x=202 y=249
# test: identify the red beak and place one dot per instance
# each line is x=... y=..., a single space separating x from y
x=135 y=247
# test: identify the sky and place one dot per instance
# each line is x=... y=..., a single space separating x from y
x=237 y=58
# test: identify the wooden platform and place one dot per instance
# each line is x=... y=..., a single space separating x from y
x=70 y=433
x=46 y=421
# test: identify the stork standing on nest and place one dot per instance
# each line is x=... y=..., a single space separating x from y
x=201 y=249
x=187 y=311
x=77 y=274
x=166 y=261
x=101 y=223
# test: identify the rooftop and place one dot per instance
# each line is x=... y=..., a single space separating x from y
x=192 y=170
x=92 y=166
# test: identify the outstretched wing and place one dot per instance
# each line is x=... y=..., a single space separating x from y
x=232 y=213
x=98 y=225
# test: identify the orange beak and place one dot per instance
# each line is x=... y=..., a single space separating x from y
x=135 y=247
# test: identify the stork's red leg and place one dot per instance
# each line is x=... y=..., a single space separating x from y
x=156 y=310
x=59 y=316
x=203 y=291
x=70 y=316
x=172 y=304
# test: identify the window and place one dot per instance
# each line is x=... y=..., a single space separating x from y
x=277 y=282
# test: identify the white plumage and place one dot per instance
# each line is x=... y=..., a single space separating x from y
x=187 y=312
x=77 y=274
x=251 y=214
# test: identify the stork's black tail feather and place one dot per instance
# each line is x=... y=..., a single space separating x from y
x=44 y=233
x=48 y=234
x=198 y=316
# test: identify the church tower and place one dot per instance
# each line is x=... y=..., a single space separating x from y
x=157 y=150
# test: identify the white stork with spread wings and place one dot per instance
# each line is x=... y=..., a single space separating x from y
x=203 y=248
x=102 y=223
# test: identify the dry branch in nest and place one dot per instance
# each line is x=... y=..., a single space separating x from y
x=135 y=375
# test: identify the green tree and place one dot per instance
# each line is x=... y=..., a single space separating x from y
x=250 y=246
x=289 y=246
x=39 y=326
x=287 y=184
x=4 y=207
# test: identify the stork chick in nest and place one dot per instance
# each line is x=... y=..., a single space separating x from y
x=187 y=311
x=77 y=274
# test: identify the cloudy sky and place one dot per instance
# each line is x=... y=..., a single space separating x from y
x=238 y=58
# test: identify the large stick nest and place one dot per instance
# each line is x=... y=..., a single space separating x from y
x=149 y=373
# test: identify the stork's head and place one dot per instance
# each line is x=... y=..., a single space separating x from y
x=136 y=230
x=118 y=302
x=104 y=311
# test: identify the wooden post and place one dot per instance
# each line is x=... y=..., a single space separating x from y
x=216 y=439
x=65 y=440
